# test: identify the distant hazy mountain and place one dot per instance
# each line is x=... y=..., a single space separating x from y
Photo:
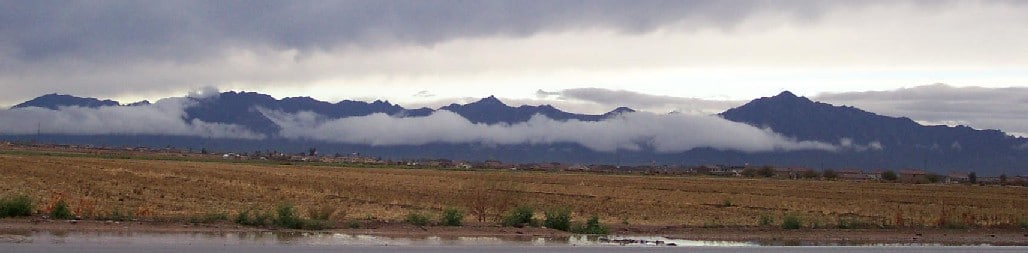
x=491 y=111
x=241 y=108
x=877 y=142
x=904 y=143
x=53 y=101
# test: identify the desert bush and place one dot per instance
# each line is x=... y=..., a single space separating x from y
x=889 y=176
x=417 y=219
x=727 y=203
x=766 y=220
x=790 y=221
x=286 y=217
x=851 y=223
x=766 y=171
x=559 y=219
x=353 y=224
x=452 y=217
x=518 y=217
x=209 y=217
x=829 y=174
x=61 y=211
x=20 y=205
x=592 y=226
x=243 y=218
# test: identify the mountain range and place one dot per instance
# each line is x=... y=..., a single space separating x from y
x=883 y=142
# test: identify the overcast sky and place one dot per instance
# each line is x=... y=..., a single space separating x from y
x=587 y=56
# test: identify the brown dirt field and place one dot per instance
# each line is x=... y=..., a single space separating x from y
x=167 y=189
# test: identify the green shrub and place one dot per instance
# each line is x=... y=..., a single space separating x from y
x=889 y=175
x=766 y=219
x=851 y=223
x=260 y=219
x=518 y=217
x=286 y=216
x=452 y=217
x=210 y=217
x=559 y=219
x=592 y=226
x=791 y=222
x=353 y=224
x=20 y=205
x=61 y=211
x=417 y=219
x=315 y=224
x=243 y=218
x=727 y=203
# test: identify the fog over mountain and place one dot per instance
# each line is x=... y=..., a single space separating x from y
x=782 y=130
x=234 y=115
x=628 y=131
x=165 y=117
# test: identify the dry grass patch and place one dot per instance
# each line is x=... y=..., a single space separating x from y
x=154 y=188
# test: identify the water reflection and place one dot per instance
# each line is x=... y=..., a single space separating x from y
x=340 y=239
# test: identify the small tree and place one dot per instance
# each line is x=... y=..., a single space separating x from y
x=829 y=174
x=766 y=171
x=452 y=217
x=810 y=174
x=889 y=175
x=559 y=219
x=749 y=172
x=1003 y=179
x=61 y=211
x=972 y=177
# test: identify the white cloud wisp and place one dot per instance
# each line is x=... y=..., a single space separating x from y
x=166 y=117
x=669 y=133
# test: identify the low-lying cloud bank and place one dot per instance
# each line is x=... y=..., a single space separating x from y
x=166 y=117
x=633 y=131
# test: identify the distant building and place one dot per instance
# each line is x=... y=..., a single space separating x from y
x=958 y=178
x=791 y=173
x=913 y=176
x=852 y=175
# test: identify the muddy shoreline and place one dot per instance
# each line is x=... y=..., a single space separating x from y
x=760 y=235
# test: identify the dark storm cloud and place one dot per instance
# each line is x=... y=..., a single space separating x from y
x=984 y=108
x=182 y=30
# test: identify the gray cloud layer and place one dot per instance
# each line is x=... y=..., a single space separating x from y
x=166 y=117
x=640 y=101
x=665 y=133
x=113 y=48
x=984 y=108
x=36 y=30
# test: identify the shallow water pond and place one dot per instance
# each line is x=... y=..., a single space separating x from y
x=335 y=242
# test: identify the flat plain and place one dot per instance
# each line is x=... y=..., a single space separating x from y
x=96 y=186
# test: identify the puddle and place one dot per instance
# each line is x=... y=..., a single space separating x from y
x=46 y=241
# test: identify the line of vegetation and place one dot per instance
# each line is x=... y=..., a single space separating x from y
x=417 y=219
